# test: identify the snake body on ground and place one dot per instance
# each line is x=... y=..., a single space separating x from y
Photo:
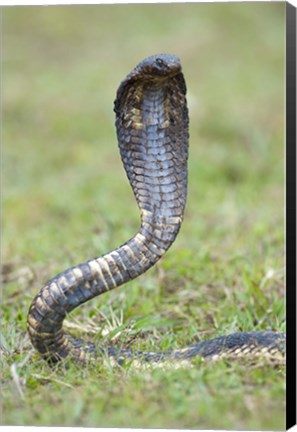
x=152 y=126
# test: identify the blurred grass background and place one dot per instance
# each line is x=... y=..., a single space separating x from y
x=66 y=199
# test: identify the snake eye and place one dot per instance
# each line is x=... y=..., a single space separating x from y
x=160 y=63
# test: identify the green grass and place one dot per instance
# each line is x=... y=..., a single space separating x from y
x=66 y=199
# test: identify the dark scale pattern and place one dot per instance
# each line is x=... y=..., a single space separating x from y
x=152 y=130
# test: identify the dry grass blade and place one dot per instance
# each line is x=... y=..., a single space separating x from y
x=18 y=381
x=86 y=328
x=49 y=378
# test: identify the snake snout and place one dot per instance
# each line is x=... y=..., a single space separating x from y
x=160 y=65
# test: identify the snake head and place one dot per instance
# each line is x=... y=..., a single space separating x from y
x=159 y=65
x=151 y=70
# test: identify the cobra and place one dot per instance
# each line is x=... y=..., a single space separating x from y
x=152 y=126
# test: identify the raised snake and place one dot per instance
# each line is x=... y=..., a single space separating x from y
x=152 y=126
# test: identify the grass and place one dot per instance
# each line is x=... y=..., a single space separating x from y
x=66 y=199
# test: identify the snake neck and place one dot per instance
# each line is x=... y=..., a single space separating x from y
x=153 y=143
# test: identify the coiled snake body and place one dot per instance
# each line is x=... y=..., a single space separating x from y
x=152 y=130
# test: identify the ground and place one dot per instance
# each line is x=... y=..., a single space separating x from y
x=66 y=199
